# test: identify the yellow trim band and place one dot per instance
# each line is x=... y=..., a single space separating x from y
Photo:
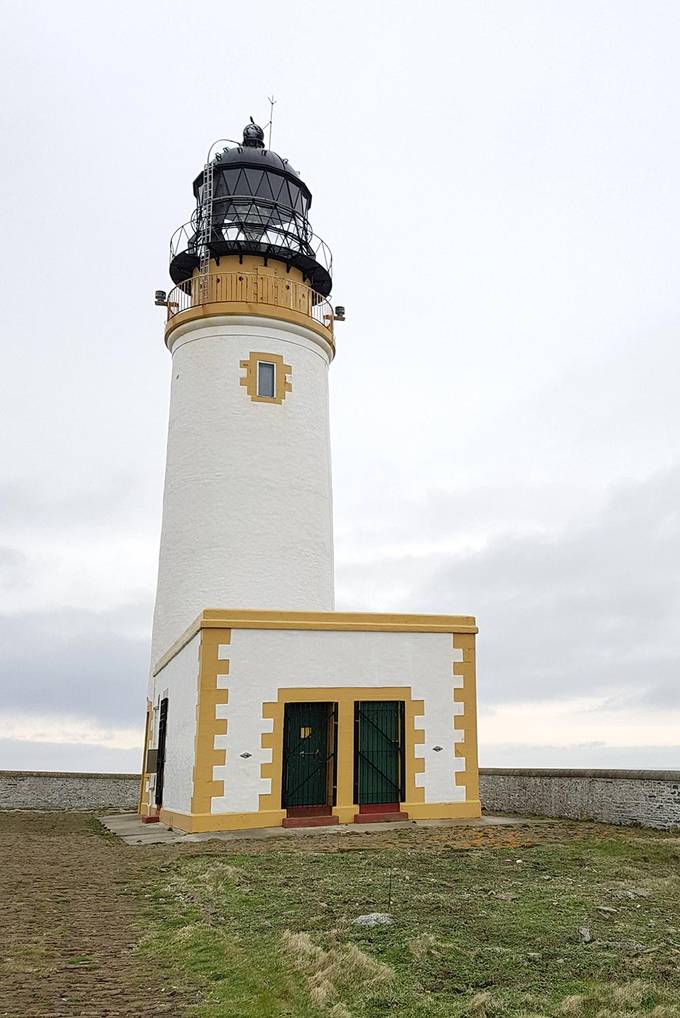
x=200 y=823
x=205 y=823
x=228 y=308
x=366 y=622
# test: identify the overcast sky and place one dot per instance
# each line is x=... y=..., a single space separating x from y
x=499 y=184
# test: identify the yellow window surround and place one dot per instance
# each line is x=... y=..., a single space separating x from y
x=282 y=377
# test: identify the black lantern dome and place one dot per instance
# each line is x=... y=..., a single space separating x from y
x=249 y=200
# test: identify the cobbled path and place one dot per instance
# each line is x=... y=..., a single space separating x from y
x=71 y=916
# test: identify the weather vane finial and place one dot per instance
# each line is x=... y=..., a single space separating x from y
x=253 y=135
x=272 y=104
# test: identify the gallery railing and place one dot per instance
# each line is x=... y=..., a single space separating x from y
x=251 y=288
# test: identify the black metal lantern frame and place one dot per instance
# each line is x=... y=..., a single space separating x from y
x=254 y=226
x=259 y=206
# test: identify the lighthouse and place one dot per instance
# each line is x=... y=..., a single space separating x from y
x=266 y=707
x=247 y=508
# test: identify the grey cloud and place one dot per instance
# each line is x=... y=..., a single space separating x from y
x=13 y=571
x=110 y=499
x=590 y=609
x=440 y=514
x=76 y=663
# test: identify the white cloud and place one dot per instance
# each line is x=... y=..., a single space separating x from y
x=69 y=731
x=572 y=723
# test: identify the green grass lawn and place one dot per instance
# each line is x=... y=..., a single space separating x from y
x=266 y=929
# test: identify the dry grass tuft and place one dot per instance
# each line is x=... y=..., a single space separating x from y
x=203 y=887
x=423 y=945
x=220 y=872
x=625 y=1000
x=340 y=1011
x=483 y=1004
x=629 y=995
x=606 y=1012
x=339 y=971
x=572 y=1005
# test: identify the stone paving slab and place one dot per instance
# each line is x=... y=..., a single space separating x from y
x=129 y=827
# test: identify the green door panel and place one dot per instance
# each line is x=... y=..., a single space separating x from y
x=379 y=756
x=308 y=754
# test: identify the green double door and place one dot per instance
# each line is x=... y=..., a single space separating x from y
x=309 y=754
x=379 y=752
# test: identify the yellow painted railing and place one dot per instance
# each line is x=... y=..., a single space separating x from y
x=251 y=288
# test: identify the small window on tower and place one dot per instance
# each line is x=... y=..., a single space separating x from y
x=266 y=379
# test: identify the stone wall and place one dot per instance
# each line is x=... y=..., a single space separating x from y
x=54 y=790
x=649 y=798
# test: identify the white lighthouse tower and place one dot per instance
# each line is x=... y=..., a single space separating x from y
x=267 y=707
x=247 y=509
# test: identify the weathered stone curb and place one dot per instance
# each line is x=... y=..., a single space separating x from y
x=575 y=772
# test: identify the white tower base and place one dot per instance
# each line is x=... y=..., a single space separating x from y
x=247 y=508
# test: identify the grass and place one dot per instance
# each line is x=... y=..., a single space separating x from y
x=477 y=931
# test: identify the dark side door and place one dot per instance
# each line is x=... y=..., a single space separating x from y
x=160 y=759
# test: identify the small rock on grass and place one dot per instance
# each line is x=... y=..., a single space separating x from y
x=374 y=919
x=585 y=936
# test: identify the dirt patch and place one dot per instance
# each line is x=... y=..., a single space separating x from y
x=433 y=839
x=73 y=914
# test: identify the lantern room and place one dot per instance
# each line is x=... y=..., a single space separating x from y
x=250 y=201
